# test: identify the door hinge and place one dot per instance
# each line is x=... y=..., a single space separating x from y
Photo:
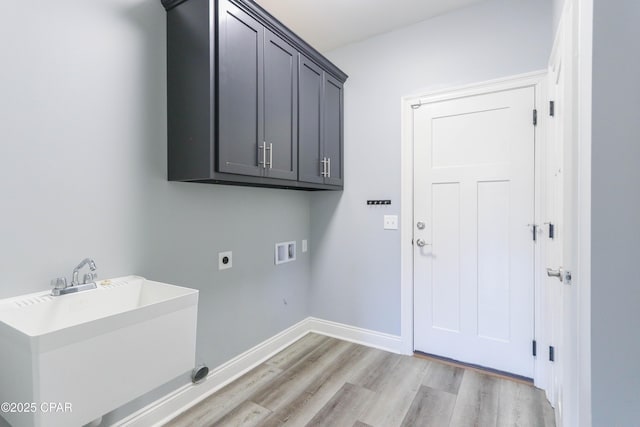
x=552 y=230
x=534 y=231
x=534 y=348
x=535 y=117
x=552 y=108
x=552 y=353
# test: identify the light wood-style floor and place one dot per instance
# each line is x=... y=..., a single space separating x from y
x=322 y=381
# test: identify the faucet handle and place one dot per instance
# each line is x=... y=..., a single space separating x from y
x=89 y=277
x=59 y=283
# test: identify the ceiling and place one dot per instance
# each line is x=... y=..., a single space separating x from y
x=328 y=24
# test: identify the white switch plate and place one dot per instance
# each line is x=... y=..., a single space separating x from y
x=225 y=260
x=391 y=222
x=304 y=246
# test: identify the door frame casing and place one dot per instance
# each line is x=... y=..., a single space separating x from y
x=537 y=80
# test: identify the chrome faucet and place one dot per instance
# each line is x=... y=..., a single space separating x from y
x=89 y=277
x=60 y=284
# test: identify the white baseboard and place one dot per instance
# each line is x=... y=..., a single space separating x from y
x=356 y=335
x=169 y=406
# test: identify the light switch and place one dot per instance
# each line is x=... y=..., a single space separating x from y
x=304 y=245
x=391 y=222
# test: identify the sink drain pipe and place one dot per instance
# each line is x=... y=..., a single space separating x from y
x=199 y=374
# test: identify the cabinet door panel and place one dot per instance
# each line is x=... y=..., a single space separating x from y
x=310 y=122
x=241 y=40
x=332 y=122
x=281 y=106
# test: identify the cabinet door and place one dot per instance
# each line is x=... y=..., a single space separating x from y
x=333 y=130
x=310 y=122
x=240 y=92
x=280 y=107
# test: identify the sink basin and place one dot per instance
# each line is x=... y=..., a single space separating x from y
x=75 y=357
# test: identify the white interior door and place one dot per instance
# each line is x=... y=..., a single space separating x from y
x=473 y=207
x=553 y=216
x=559 y=208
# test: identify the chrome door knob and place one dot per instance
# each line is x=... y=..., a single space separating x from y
x=420 y=225
x=555 y=273
x=420 y=242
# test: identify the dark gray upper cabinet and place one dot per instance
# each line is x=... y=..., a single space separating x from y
x=333 y=130
x=280 y=108
x=249 y=102
x=321 y=127
x=310 y=122
x=240 y=91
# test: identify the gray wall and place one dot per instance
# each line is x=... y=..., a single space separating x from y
x=356 y=280
x=615 y=226
x=80 y=96
x=83 y=173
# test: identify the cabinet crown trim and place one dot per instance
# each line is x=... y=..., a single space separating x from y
x=281 y=30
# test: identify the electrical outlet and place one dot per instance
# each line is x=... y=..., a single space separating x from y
x=391 y=222
x=225 y=260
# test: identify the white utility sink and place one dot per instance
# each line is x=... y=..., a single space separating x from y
x=75 y=357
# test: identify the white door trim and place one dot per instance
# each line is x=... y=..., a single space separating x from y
x=535 y=79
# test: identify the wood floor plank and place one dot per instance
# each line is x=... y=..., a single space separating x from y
x=346 y=363
x=322 y=381
x=382 y=363
x=297 y=351
x=294 y=382
x=303 y=408
x=395 y=393
x=222 y=402
x=247 y=414
x=295 y=413
x=430 y=408
x=477 y=402
x=443 y=377
x=498 y=374
x=548 y=413
x=523 y=406
x=378 y=376
x=344 y=409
